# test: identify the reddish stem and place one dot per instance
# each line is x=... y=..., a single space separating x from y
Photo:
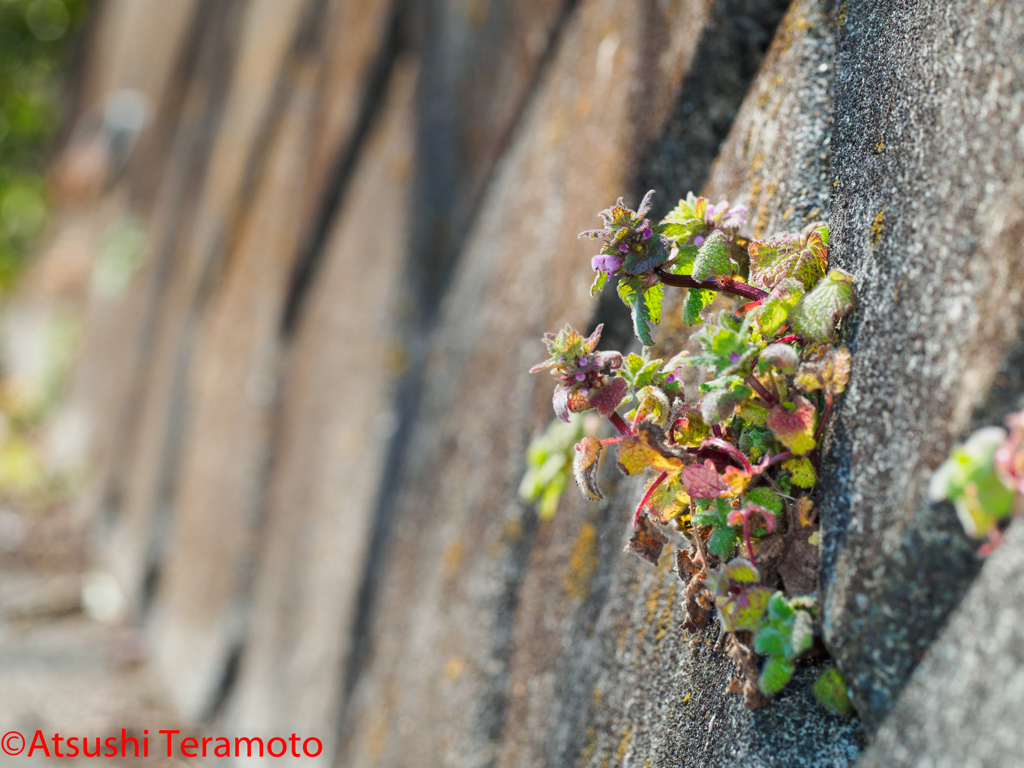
x=824 y=418
x=611 y=441
x=731 y=450
x=716 y=429
x=786 y=339
x=724 y=285
x=758 y=387
x=620 y=424
x=647 y=497
x=746 y=535
x=776 y=459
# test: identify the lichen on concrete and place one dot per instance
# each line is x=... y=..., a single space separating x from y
x=927 y=156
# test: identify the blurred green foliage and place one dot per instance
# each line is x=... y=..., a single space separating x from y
x=35 y=40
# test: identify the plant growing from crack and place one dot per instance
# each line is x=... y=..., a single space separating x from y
x=733 y=472
x=984 y=478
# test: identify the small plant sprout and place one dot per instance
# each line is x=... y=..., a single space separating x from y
x=984 y=478
x=730 y=472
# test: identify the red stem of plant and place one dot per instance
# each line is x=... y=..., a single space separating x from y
x=786 y=339
x=724 y=284
x=758 y=387
x=776 y=459
x=620 y=424
x=746 y=535
x=611 y=441
x=716 y=429
x=647 y=497
x=731 y=450
x=824 y=417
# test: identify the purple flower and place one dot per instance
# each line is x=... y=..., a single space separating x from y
x=698 y=240
x=606 y=264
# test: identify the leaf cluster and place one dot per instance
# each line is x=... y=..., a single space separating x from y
x=732 y=470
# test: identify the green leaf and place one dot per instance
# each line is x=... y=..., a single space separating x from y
x=754 y=440
x=767 y=498
x=775 y=674
x=769 y=640
x=793 y=425
x=743 y=611
x=816 y=314
x=783 y=357
x=696 y=300
x=599 y=282
x=720 y=404
x=723 y=536
x=784 y=257
x=830 y=691
x=630 y=295
x=713 y=259
x=682 y=263
x=653 y=298
x=803 y=474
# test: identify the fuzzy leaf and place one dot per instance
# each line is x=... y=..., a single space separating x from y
x=767 y=498
x=720 y=404
x=784 y=257
x=682 y=262
x=775 y=674
x=781 y=356
x=815 y=316
x=636 y=453
x=641 y=309
x=742 y=611
x=754 y=440
x=669 y=500
x=606 y=398
x=830 y=691
x=646 y=256
x=599 y=282
x=584 y=467
x=829 y=370
x=723 y=536
x=713 y=259
x=969 y=479
x=775 y=309
x=696 y=300
x=691 y=430
x=702 y=481
x=802 y=472
x=794 y=426
x=653 y=401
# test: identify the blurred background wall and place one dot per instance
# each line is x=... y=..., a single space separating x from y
x=273 y=283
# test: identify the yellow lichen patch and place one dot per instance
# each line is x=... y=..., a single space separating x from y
x=880 y=146
x=841 y=18
x=620 y=753
x=582 y=563
x=687 y=697
x=876 y=228
x=451 y=557
x=591 y=747
x=453 y=668
x=665 y=617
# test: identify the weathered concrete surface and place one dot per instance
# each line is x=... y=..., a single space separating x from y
x=330 y=449
x=928 y=159
x=434 y=690
x=479 y=62
x=141 y=493
x=962 y=705
x=601 y=672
